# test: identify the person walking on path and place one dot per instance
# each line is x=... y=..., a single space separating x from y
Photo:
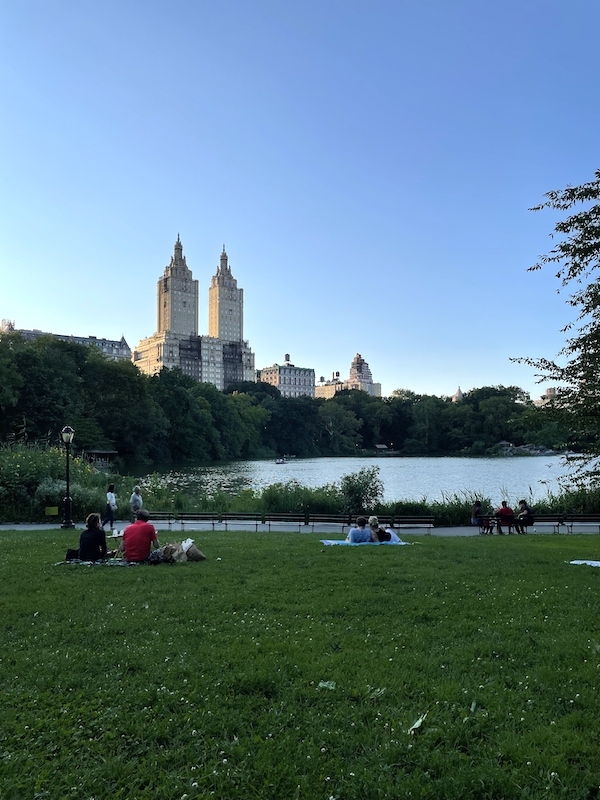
x=135 y=503
x=111 y=505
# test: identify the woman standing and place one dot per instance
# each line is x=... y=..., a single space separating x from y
x=111 y=505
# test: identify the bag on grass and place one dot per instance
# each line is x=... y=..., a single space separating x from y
x=72 y=555
x=194 y=554
x=174 y=552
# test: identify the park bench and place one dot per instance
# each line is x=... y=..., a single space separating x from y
x=591 y=520
x=162 y=516
x=184 y=517
x=568 y=521
x=409 y=522
x=334 y=519
x=282 y=516
x=558 y=521
x=253 y=518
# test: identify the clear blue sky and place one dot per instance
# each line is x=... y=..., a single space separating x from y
x=368 y=165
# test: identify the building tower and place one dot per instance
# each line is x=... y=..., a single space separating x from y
x=359 y=370
x=177 y=297
x=225 y=305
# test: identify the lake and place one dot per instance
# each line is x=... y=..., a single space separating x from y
x=403 y=478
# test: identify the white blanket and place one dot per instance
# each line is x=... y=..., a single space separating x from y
x=589 y=563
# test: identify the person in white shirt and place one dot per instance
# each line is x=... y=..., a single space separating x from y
x=111 y=505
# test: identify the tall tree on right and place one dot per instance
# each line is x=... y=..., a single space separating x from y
x=577 y=371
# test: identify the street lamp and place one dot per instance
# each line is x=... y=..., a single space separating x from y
x=67 y=435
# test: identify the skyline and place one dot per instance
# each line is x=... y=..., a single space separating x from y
x=369 y=171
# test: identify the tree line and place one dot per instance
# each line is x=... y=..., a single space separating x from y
x=46 y=384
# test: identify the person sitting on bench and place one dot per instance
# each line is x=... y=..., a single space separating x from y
x=524 y=517
x=506 y=517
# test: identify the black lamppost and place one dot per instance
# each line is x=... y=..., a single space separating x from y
x=67 y=435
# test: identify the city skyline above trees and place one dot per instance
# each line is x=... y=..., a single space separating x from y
x=48 y=383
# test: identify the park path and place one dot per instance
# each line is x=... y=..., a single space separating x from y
x=328 y=531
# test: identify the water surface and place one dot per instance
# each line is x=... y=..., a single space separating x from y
x=402 y=478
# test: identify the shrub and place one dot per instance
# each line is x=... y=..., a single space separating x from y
x=361 y=490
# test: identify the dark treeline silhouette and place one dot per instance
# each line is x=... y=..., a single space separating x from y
x=46 y=384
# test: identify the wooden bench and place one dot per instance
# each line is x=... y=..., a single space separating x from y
x=255 y=519
x=410 y=522
x=567 y=521
x=592 y=520
x=197 y=516
x=297 y=519
x=333 y=519
x=162 y=516
x=557 y=521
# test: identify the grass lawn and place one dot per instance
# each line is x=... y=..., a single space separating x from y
x=280 y=668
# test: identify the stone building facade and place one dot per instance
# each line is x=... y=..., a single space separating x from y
x=360 y=378
x=291 y=381
x=113 y=349
x=222 y=357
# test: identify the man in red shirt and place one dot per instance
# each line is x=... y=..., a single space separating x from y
x=505 y=516
x=138 y=537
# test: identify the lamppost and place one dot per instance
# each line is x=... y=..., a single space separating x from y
x=67 y=435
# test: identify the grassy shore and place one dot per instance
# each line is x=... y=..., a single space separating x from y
x=280 y=668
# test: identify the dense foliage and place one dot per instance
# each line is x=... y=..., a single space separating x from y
x=47 y=383
x=577 y=370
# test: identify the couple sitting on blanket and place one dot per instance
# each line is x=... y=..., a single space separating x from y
x=370 y=531
x=137 y=540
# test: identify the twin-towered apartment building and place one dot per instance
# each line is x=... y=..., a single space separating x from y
x=224 y=356
x=221 y=358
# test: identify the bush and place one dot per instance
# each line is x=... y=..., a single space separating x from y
x=361 y=490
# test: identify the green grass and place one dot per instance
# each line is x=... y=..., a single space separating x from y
x=202 y=680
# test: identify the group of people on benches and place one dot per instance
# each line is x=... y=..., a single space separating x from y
x=503 y=517
x=369 y=530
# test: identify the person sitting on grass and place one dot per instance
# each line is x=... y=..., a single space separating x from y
x=92 y=542
x=361 y=533
x=379 y=534
x=138 y=538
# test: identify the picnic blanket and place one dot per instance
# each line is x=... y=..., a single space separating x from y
x=360 y=544
x=109 y=562
x=589 y=563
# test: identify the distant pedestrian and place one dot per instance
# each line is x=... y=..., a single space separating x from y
x=135 y=503
x=111 y=505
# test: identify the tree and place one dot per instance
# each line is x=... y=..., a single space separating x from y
x=339 y=429
x=577 y=255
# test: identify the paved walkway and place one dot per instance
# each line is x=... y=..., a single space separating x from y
x=327 y=530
